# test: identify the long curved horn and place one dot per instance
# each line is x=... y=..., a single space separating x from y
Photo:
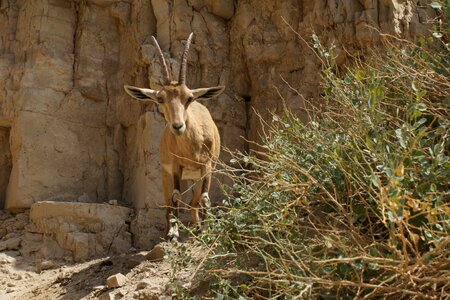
x=163 y=61
x=182 y=77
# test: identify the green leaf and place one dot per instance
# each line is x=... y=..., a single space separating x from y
x=358 y=265
x=373 y=252
x=390 y=216
x=421 y=94
x=243 y=286
x=421 y=106
x=437 y=149
x=359 y=75
x=436 y=5
x=433 y=187
x=343 y=269
x=392 y=192
x=399 y=134
x=400 y=213
x=374 y=181
x=421 y=121
x=388 y=172
x=437 y=35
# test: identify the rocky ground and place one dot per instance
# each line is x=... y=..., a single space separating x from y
x=50 y=266
x=132 y=275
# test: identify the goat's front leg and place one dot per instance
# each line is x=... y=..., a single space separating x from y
x=201 y=200
x=172 y=196
x=205 y=202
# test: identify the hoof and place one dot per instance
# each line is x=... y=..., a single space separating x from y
x=173 y=234
x=172 y=238
x=205 y=200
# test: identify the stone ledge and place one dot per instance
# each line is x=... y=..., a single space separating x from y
x=76 y=231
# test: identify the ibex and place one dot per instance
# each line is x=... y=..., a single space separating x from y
x=190 y=143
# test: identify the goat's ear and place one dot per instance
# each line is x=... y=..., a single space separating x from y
x=207 y=93
x=141 y=94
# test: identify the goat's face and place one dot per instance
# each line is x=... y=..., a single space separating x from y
x=174 y=97
x=174 y=100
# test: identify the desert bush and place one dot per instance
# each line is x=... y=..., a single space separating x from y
x=354 y=204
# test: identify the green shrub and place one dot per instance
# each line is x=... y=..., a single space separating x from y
x=354 y=204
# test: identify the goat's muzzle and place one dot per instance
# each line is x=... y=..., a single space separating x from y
x=178 y=128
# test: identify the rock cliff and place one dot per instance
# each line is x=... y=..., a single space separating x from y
x=68 y=131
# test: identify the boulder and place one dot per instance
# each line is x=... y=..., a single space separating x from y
x=106 y=296
x=116 y=280
x=10 y=244
x=156 y=254
x=82 y=230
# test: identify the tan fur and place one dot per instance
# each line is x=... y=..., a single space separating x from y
x=196 y=149
x=188 y=153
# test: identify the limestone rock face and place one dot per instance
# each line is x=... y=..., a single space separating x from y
x=68 y=131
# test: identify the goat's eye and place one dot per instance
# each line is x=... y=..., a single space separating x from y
x=190 y=99
x=160 y=100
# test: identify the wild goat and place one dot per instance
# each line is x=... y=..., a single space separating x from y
x=190 y=143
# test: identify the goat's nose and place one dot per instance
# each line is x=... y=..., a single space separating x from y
x=177 y=126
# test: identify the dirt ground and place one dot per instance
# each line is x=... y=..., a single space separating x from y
x=22 y=279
